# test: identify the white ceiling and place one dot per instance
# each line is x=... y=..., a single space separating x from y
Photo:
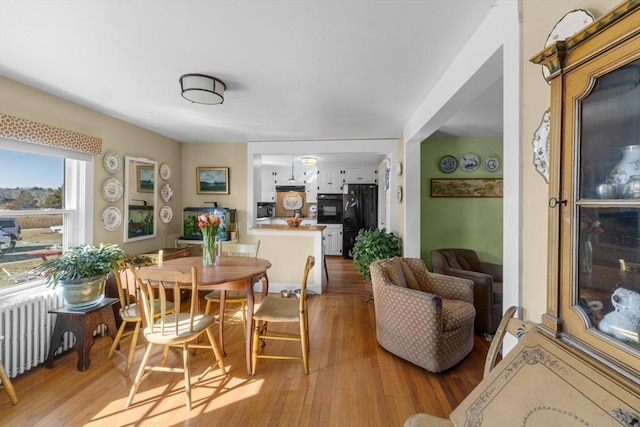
x=294 y=70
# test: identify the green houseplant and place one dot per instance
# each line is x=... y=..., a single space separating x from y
x=372 y=245
x=82 y=272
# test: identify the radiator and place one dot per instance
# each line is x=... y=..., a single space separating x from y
x=27 y=326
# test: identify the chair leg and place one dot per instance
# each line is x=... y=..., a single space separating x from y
x=223 y=304
x=216 y=350
x=187 y=375
x=304 y=343
x=254 y=347
x=326 y=270
x=7 y=385
x=116 y=340
x=139 y=375
x=132 y=348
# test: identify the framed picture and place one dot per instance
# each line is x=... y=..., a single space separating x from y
x=212 y=180
x=452 y=187
x=146 y=178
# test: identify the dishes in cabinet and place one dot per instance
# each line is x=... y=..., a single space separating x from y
x=112 y=162
x=167 y=192
x=166 y=214
x=165 y=171
x=111 y=218
x=492 y=163
x=112 y=190
x=469 y=162
x=448 y=164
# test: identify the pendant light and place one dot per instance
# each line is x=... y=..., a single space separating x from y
x=292 y=179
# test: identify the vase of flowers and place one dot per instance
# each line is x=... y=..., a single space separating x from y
x=208 y=225
x=589 y=229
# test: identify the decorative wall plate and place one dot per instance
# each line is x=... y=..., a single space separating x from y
x=569 y=25
x=541 y=147
x=291 y=203
x=166 y=214
x=492 y=163
x=165 y=171
x=448 y=164
x=469 y=162
x=112 y=162
x=112 y=190
x=167 y=192
x=111 y=218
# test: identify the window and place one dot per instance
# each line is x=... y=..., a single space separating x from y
x=45 y=207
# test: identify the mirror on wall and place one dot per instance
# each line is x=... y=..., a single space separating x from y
x=140 y=177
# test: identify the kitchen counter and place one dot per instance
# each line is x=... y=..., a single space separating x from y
x=283 y=227
x=287 y=249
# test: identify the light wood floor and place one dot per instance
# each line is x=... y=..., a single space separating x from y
x=353 y=381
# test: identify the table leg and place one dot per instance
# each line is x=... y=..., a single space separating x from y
x=250 y=305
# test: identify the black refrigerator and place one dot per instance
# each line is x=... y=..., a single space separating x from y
x=360 y=210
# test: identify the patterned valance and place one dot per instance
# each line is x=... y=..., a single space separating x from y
x=37 y=133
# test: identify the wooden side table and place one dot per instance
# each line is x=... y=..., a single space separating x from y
x=82 y=322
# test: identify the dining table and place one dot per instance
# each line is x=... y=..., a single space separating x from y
x=228 y=273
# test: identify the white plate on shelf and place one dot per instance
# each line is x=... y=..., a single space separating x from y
x=469 y=162
x=166 y=214
x=111 y=218
x=167 y=192
x=112 y=190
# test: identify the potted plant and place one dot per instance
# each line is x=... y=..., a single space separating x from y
x=372 y=245
x=82 y=272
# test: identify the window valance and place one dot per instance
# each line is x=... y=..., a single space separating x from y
x=38 y=133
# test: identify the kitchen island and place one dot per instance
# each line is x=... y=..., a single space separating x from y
x=287 y=249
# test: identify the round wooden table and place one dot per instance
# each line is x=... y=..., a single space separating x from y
x=229 y=273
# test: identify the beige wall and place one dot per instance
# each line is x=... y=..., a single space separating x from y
x=125 y=139
x=539 y=18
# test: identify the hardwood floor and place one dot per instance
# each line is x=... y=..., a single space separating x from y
x=353 y=381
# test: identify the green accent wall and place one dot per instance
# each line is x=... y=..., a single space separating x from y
x=459 y=222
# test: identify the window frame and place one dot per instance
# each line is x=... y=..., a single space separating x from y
x=78 y=203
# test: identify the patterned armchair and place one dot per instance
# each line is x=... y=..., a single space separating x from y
x=422 y=317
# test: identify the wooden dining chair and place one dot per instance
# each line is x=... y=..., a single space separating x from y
x=6 y=382
x=510 y=324
x=232 y=296
x=129 y=309
x=276 y=309
x=172 y=328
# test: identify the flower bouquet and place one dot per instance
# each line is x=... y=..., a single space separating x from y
x=209 y=225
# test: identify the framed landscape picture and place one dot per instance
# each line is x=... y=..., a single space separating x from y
x=451 y=187
x=212 y=180
x=146 y=178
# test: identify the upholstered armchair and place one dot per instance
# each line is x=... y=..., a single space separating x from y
x=487 y=283
x=422 y=317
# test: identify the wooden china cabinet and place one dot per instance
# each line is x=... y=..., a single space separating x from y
x=593 y=289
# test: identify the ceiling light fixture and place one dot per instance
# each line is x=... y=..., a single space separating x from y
x=292 y=179
x=202 y=89
x=309 y=161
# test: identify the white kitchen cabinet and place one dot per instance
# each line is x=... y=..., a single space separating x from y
x=363 y=175
x=332 y=238
x=311 y=185
x=329 y=180
x=270 y=178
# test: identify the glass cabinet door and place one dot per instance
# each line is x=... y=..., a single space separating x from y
x=606 y=213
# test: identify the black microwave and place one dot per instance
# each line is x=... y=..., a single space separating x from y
x=265 y=210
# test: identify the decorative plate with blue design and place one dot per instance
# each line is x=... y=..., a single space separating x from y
x=448 y=164
x=469 y=162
